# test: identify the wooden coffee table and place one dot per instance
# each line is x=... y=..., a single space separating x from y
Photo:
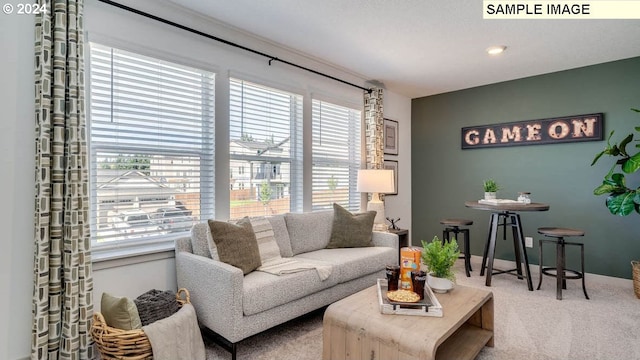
x=354 y=328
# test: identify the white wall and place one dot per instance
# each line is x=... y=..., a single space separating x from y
x=17 y=159
x=107 y=23
x=398 y=108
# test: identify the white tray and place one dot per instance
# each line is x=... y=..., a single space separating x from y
x=429 y=306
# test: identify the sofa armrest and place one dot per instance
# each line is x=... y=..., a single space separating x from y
x=215 y=289
x=383 y=238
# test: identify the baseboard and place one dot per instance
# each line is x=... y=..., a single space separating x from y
x=506 y=264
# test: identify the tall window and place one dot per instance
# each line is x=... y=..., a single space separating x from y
x=336 y=155
x=265 y=149
x=151 y=143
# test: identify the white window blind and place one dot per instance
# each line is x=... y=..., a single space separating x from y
x=152 y=147
x=336 y=155
x=265 y=150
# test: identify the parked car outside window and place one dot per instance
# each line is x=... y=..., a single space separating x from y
x=133 y=224
x=173 y=219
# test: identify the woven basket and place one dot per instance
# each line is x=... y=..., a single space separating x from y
x=635 y=266
x=125 y=344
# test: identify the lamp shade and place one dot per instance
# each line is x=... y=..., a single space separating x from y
x=375 y=181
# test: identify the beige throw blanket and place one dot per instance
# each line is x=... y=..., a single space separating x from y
x=176 y=337
x=282 y=266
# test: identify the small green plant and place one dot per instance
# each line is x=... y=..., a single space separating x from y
x=490 y=185
x=439 y=257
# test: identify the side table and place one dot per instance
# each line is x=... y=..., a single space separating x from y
x=403 y=239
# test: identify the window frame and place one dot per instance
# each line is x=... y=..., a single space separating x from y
x=355 y=199
x=114 y=250
x=296 y=145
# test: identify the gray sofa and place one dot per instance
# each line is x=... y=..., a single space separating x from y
x=234 y=307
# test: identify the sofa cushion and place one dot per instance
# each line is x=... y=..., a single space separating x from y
x=281 y=234
x=309 y=231
x=202 y=242
x=120 y=312
x=236 y=244
x=263 y=291
x=351 y=230
x=352 y=263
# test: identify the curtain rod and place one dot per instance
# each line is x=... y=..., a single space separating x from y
x=227 y=42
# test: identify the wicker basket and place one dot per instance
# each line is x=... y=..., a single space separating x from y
x=635 y=266
x=125 y=344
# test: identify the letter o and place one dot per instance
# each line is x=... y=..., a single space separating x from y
x=564 y=130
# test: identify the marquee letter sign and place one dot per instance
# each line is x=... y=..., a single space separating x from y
x=534 y=132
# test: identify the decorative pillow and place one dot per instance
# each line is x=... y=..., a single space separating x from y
x=281 y=234
x=236 y=244
x=202 y=242
x=351 y=230
x=309 y=231
x=119 y=312
x=267 y=244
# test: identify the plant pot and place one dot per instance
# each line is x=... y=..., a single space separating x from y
x=439 y=285
x=635 y=267
x=489 y=195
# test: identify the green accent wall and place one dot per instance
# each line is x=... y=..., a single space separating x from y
x=444 y=176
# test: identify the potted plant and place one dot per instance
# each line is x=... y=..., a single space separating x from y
x=491 y=187
x=439 y=256
x=622 y=198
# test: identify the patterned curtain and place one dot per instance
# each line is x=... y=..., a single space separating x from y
x=62 y=294
x=374 y=128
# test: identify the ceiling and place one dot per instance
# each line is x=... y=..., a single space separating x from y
x=424 y=47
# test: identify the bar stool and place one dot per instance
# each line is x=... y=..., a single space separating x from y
x=560 y=270
x=453 y=226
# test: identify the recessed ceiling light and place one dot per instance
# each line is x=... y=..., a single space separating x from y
x=495 y=50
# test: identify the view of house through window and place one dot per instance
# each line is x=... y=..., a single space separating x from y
x=151 y=146
x=265 y=150
x=336 y=156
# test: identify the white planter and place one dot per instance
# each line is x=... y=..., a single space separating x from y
x=439 y=285
x=489 y=195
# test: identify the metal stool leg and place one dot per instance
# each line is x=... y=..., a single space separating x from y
x=467 y=254
x=584 y=288
x=559 y=267
x=540 y=242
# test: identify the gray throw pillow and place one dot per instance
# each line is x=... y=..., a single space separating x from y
x=351 y=230
x=236 y=244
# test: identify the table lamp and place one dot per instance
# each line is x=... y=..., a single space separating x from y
x=376 y=181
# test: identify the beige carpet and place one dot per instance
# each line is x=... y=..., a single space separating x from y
x=528 y=325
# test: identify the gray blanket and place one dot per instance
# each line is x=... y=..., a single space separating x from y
x=176 y=337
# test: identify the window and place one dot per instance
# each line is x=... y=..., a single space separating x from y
x=151 y=144
x=336 y=156
x=265 y=143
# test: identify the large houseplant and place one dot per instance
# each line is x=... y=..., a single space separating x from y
x=622 y=199
x=439 y=257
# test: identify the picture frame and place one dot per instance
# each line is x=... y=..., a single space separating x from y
x=392 y=165
x=390 y=137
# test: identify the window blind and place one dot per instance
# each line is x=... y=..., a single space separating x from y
x=152 y=147
x=265 y=150
x=336 y=155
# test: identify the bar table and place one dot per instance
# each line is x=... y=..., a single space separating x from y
x=506 y=214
